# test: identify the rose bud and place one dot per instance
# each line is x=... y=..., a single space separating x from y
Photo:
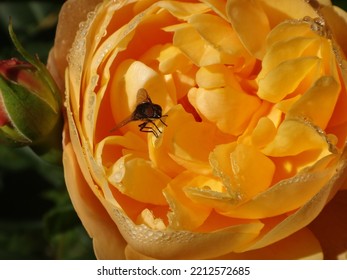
x=29 y=111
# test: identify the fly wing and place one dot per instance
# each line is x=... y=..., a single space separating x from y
x=122 y=123
x=142 y=96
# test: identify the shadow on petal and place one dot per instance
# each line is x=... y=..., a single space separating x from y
x=330 y=227
x=301 y=245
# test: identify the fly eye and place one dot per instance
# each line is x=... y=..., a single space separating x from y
x=157 y=110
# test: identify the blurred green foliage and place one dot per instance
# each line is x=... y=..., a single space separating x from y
x=34 y=23
x=340 y=3
x=37 y=220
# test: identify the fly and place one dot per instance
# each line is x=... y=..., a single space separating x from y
x=145 y=111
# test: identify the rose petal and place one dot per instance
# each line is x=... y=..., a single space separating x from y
x=284 y=196
x=282 y=51
x=324 y=2
x=251 y=24
x=171 y=59
x=131 y=254
x=215 y=76
x=220 y=161
x=318 y=102
x=263 y=133
x=287 y=141
x=66 y=30
x=285 y=105
x=233 y=162
x=217 y=33
x=108 y=242
x=227 y=107
x=272 y=88
x=246 y=160
x=147 y=218
x=113 y=147
x=135 y=176
x=336 y=19
x=189 y=154
x=253 y=20
x=278 y=11
x=291 y=30
x=161 y=149
x=201 y=52
x=90 y=169
x=184 y=244
x=185 y=214
x=310 y=210
x=183 y=10
x=218 y=7
x=302 y=245
x=78 y=54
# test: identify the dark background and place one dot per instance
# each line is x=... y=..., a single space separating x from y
x=37 y=220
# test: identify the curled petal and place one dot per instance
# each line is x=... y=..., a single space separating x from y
x=318 y=102
x=310 y=210
x=66 y=30
x=223 y=106
x=172 y=59
x=287 y=140
x=263 y=133
x=216 y=76
x=272 y=88
x=135 y=177
x=282 y=51
x=184 y=244
x=233 y=162
x=246 y=160
x=185 y=214
x=336 y=19
x=285 y=196
x=201 y=52
x=245 y=16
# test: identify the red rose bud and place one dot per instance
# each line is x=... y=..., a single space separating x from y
x=3 y=115
x=30 y=111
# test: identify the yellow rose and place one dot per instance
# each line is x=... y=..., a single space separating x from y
x=248 y=148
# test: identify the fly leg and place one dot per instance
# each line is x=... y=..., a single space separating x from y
x=144 y=128
x=163 y=121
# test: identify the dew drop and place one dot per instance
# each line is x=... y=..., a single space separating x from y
x=318 y=26
x=91 y=15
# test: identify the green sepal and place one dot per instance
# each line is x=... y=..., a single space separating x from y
x=10 y=137
x=42 y=71
x=28 y=113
